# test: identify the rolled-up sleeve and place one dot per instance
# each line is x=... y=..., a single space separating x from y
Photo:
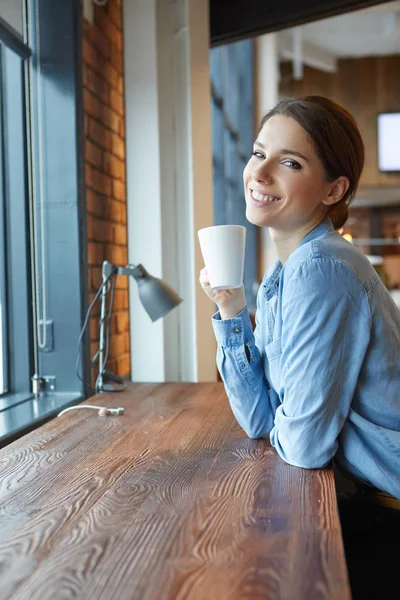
x=325 y=334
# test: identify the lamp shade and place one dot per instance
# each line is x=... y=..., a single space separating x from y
x=156 y=296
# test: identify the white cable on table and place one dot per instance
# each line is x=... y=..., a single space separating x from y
x=103 y=411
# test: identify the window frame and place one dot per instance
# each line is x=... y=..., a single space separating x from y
x=60 y=26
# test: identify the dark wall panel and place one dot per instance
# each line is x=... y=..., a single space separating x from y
x=233 y=20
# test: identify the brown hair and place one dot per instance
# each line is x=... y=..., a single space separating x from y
x=337 y=141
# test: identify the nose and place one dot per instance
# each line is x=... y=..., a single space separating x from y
x=262 y=172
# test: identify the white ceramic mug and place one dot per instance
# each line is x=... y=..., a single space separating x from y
x=223 y=248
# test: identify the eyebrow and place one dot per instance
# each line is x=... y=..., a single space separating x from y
x=284 y=151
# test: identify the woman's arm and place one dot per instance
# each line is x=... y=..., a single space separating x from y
x=325 y=334
x=241 y=367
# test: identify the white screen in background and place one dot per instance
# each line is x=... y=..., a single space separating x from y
x=389 y=142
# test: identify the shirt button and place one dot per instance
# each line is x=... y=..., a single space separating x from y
x=237 y=330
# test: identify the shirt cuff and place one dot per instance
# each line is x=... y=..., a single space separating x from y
x=233 y=332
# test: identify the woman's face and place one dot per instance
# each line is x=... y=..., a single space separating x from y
x=284 y=181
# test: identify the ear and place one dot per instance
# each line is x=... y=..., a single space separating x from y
x=337 y=190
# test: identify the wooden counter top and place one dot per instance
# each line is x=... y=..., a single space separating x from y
x=169 y=501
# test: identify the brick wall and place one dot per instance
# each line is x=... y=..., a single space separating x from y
x=103 y=101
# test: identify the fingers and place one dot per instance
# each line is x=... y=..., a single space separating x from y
x=203 y=278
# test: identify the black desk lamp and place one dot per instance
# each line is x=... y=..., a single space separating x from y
x=156 y=296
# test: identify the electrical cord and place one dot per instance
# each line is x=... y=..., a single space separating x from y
x=103 y=411
x=99 y=291
x=107 y=321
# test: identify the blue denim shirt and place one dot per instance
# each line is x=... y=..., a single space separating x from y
x=321 y=372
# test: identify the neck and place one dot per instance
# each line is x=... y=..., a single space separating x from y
x=286 y=241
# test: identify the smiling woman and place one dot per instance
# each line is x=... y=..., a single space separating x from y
x=305 y=152
x=320 y=373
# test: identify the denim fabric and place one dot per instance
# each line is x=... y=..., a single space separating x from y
x=321 y=372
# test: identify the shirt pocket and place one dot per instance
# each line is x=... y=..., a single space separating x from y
x=273 y=352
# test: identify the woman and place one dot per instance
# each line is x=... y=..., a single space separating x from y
x=321 y=373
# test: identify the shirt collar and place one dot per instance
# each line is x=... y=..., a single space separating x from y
x=319 y=231
x=271 y=282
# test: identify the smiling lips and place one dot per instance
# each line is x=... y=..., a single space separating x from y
x=262 y=198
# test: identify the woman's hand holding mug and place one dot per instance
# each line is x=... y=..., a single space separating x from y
x=229 y=302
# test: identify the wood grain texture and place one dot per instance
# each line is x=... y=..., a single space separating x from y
x=169 y=501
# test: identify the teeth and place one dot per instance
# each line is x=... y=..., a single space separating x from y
x=262 y=198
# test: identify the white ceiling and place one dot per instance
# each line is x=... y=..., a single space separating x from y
x=373 y=31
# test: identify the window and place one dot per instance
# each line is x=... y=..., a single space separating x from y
x=43 y=292
x=15 y=318
x=232 y=139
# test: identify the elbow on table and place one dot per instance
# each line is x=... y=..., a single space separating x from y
x=306 y=461
x=255 y=433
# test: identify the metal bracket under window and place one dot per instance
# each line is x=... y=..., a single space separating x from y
x=43 y=384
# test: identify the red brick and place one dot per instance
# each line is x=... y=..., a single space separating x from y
x=124 y=364
x=93 y=154
x=89 y=227
x=122 y=283
x=115 y=14
x=116 y=255
x=120 y=86
x=113 y=211
x=121 y=300
x=96 y=310
x=103 y=231
x=118 y=190
x=97 y=180
x=110 y=119
x=95 y=278
x=95 y=253
x=96 y=84
x=110 y=74
x=122 y=321
x=99 y=134
x=108 y=209
x=120 y=235
x=123 y=214
x=106 y=172
x=91 y=105
x=116 y=57
x=117 y=146
x=95 y=204
x=93 y=57
x=116 y=211
x=116 y=102
x=94 y=330
x=97 y=38
x=113 y=166
x=106 y=25
x=118 y=344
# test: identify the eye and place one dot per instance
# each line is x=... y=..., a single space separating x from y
x=257 y=154
x=292 y=163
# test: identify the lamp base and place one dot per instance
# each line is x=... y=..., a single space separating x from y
x=109 y=387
